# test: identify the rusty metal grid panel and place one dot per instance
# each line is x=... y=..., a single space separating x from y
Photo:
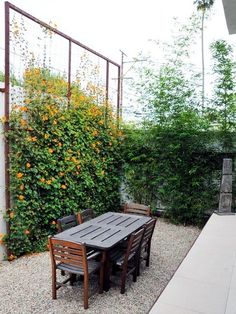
x=32 y=43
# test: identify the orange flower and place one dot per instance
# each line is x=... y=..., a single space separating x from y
x=78 y=167
x=21 y=197
x=95 y=133
x=54 y=122
x=49 y=182
x=22 y=187
x=50 y=150
x=46 y=136
x=11 y=257
x=27 y=101
x=3 y=119
x=42 y=180
x=63 y=186
x=15 y=106
x=1 y=238
x=81 y=97
x=37 y=71
x=34 y=139
x=45 y=118
x=26 y=232
x=74 y=160
x=19 y=175
x=28 y=165
x=23 y=108
x=11 y=215
x=60 y=144
x=23 y=122
x=43 y=83
x=53 y=222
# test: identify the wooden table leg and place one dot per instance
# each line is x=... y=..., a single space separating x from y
x=105 y=258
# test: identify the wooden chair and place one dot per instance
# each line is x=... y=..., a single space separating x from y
x=128 y=260
x=66 y=223
x=85 y=215
x=69 y=222
x=135 y=208
x=71 y=257
x=146 y=243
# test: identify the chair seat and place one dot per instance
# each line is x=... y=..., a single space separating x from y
x=120 y=261
x=91 y=253
x=92 y=267
x=116 y=254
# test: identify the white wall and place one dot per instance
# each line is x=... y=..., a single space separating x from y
x=2 y=176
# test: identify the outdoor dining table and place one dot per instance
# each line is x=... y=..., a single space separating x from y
x=104 y=233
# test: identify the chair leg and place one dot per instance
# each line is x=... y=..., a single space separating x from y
x=72 y=279
x=86 y=287
x=107 y=265
x=122 y=289
x=138 y=265
x=63 y=273
x=123 y=279
x=148 y=255
x=101 y=278
x=54 y=288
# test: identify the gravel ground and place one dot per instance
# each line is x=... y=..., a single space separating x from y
x=25 y=285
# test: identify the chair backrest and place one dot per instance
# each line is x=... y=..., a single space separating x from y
x=148 y=232
x=85 y=215
x=134 y=244
x=66 y=223
x=67 y=252
x=135 y=208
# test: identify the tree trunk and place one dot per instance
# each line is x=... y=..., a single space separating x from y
x=203 y=62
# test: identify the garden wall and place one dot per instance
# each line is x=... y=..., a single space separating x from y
x=2 y=177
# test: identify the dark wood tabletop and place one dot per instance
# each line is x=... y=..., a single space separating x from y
x=105 y=231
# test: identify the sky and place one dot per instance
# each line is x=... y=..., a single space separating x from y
x=109 y=26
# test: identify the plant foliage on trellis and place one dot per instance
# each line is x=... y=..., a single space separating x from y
x=64 y=157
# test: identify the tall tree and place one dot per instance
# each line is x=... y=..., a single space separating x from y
x=203 y=6
x=224 y=113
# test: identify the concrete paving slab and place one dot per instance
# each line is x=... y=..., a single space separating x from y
x=205 y=282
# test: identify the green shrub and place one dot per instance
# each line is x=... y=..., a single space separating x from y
x=173 y=167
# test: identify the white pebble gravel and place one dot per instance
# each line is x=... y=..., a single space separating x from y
x=25 y=284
